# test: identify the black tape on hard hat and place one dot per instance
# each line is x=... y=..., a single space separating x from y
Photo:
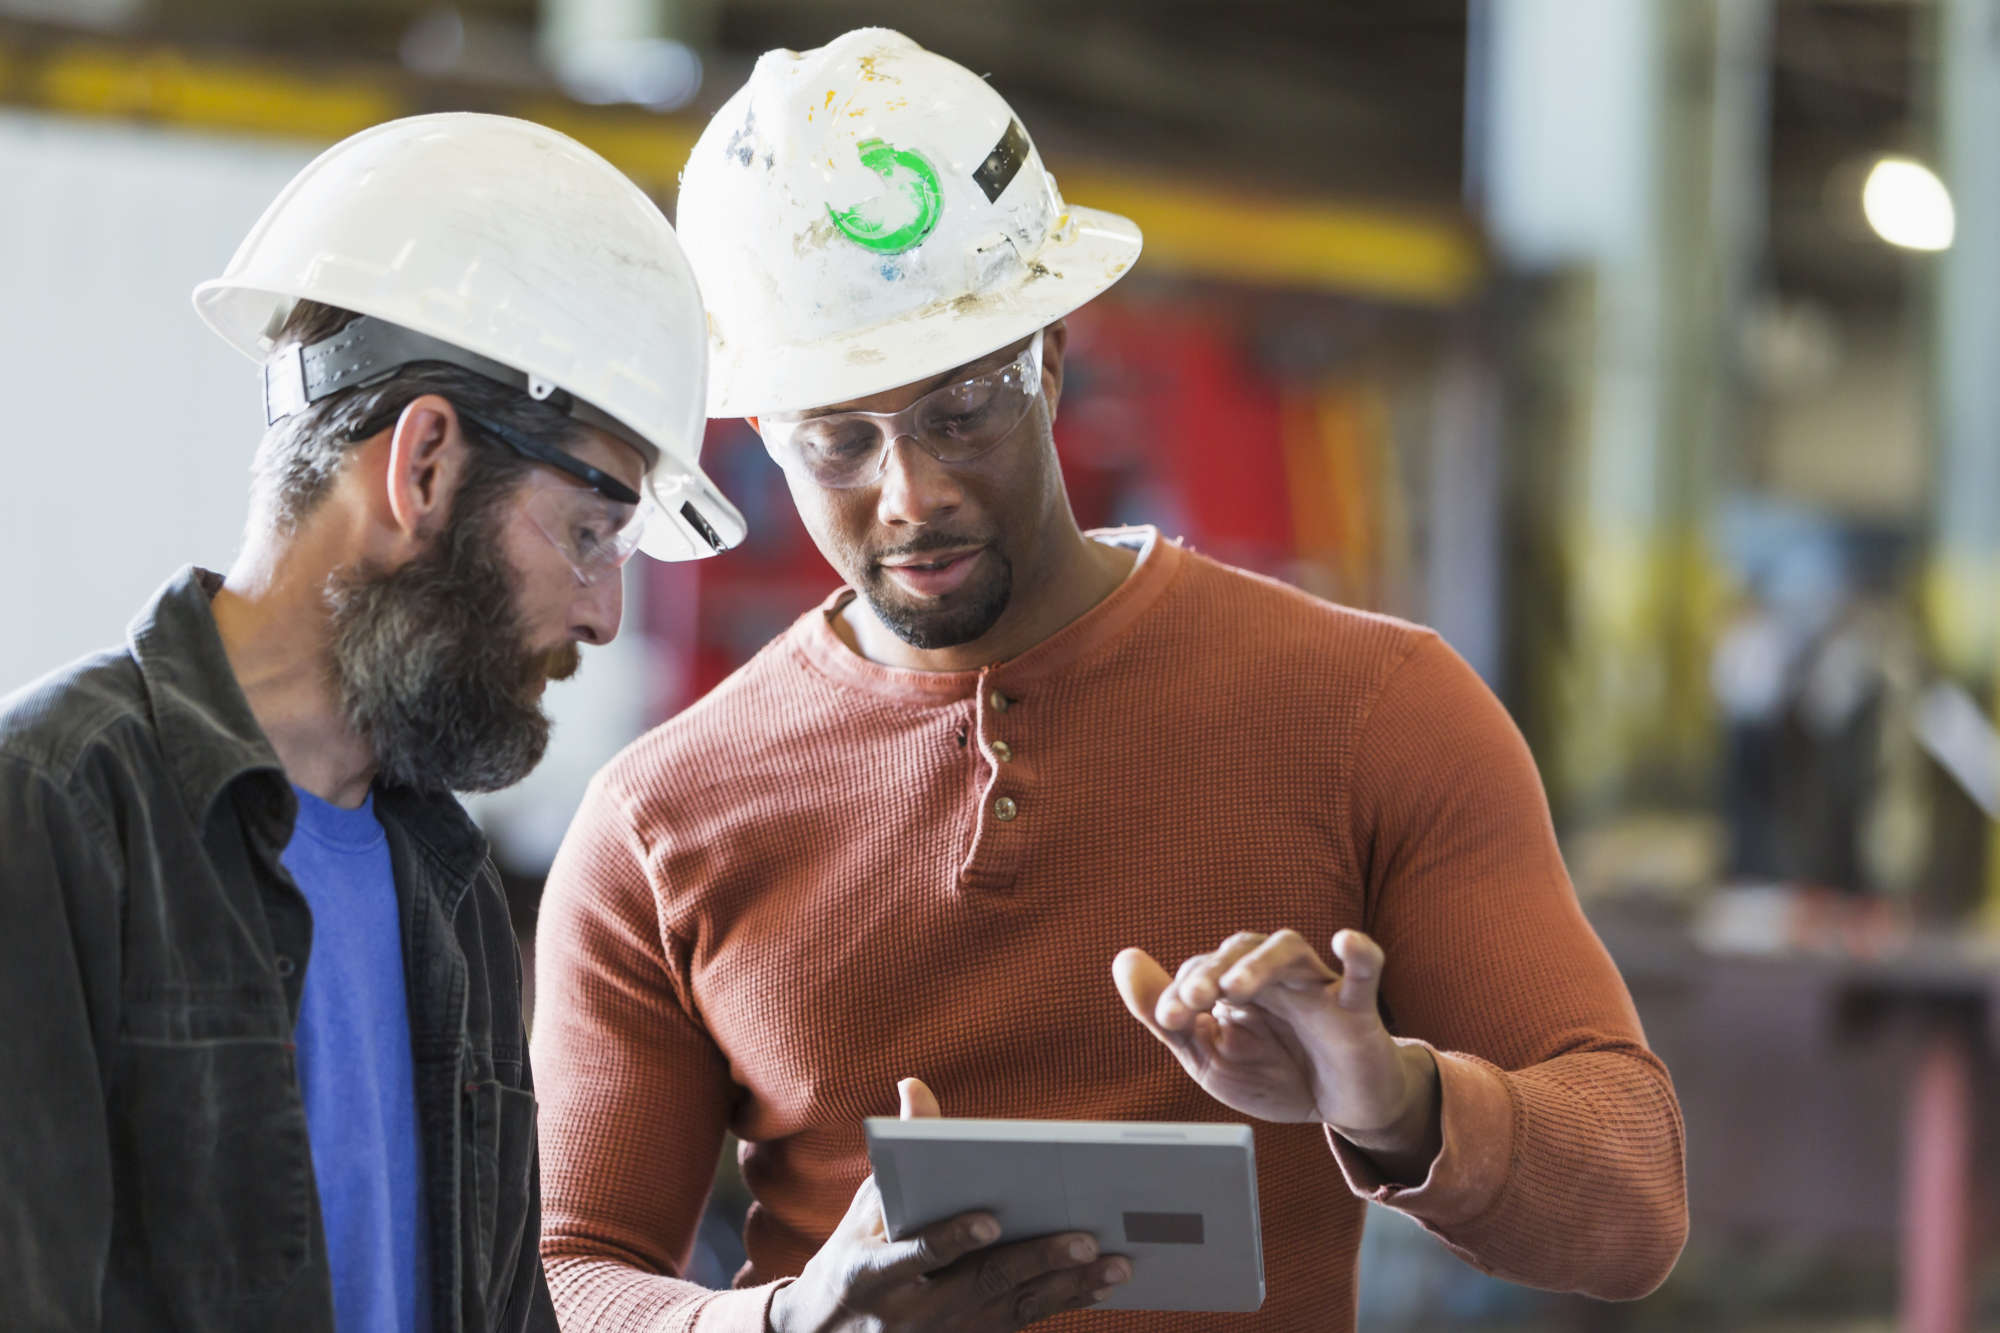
x=1003 y=163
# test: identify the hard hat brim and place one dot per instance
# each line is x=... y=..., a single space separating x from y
x=694 y=520
x=1097 y=249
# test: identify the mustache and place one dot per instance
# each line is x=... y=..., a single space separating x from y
x=931 y=541
x=563 y=663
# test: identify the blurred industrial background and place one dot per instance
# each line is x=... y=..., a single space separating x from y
x=1647 y=348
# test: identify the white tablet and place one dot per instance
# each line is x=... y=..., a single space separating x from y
x=1179 y=1200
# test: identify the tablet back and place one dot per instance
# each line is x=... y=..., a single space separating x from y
x=1179 y=1200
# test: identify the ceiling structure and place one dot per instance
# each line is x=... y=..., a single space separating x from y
x=1359 y=98
x=1361 y=101
x=1850 y=80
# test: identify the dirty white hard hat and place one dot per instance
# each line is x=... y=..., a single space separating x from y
x=868 y=214
x=519 y=246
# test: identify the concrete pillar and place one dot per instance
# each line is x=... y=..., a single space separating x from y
x=1622 y=146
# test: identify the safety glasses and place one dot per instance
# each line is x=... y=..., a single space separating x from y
x=595 y=525
x=594 y=533
x=953 y=423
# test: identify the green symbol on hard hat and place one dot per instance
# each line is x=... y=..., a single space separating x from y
x=914 y=179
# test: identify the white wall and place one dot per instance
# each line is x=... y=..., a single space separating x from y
x=126 y=427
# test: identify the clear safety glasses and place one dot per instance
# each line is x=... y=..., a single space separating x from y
x=591 y=531
x=595 y=522
x=953 y=423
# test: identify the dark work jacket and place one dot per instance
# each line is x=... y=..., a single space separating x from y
x=154 y=1167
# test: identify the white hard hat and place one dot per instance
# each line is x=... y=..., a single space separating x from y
x=868 y=214
x=521 y=246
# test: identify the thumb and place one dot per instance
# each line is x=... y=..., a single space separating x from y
x=1361 y=960
x=919 y=1103
x=1141 y=982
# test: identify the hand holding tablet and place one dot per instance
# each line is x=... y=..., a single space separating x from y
x=1178 y=1201
x=957 y=1273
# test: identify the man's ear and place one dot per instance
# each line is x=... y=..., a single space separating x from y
x=427 y=453
x=1055 y=342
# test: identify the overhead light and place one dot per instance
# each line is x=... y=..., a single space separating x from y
x=1907 y=205
x=652 y=72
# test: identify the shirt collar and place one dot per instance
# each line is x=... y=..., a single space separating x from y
x=207 y=732
x=1159 y=561
x=211 y=738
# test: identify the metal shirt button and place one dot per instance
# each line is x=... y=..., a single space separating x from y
x=998 y=700
x=1002 y=751
x=1004 y=809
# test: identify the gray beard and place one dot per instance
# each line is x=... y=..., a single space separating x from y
x=432 y=665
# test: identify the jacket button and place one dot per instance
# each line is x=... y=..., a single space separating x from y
x=1004 y=809
x=999 y=701
x=286 y=966
x=1002 y=751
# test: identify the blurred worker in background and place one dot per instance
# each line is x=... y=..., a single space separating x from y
x=912 y=835
x=266 y=1066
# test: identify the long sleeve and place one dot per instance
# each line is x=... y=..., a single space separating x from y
x=634 y=1096
x=1562 y=1165
x=55 y=1164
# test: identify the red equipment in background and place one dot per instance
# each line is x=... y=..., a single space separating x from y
x=1165 y=418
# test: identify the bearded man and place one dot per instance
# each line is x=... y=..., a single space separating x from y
x=264 y=1066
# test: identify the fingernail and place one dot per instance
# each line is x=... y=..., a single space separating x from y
x=985 y=1231
x=1117 y=1271
x=1083 y=1251
x=1100 y=1293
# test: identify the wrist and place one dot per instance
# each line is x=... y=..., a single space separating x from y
x=1405 y=1147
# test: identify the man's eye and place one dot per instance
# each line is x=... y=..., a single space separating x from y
x=836 y=441
x=956 y=425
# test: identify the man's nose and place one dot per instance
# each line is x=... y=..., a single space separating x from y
x=914 y=487
x=598 y=608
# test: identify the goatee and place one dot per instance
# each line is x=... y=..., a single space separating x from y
x=964 y=615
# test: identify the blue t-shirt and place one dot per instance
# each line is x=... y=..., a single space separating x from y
x=356 y=1072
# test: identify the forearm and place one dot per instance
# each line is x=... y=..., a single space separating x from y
x=606 y=1294
x=1567 y=1175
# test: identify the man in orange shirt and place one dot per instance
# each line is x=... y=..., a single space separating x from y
x=912 y=835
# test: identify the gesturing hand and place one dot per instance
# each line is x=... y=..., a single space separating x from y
x=946 y=1277
x=1266 y=1027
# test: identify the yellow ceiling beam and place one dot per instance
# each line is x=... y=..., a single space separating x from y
x=1191 y=229
x=170 y=86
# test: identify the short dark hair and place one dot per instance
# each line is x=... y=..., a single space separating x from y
x=299 y=457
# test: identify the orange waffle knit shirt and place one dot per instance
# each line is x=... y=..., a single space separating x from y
x=809 y=885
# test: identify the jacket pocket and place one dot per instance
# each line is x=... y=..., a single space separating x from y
x=212 y=1133
x=500 y=1127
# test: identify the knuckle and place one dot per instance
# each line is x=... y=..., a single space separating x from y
x=1243 y=939
x=857 y=1270
x=992 y=1279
